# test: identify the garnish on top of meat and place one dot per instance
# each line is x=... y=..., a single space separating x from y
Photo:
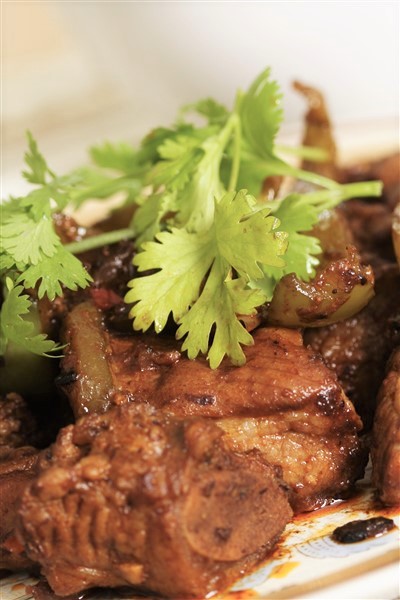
x=198 y=208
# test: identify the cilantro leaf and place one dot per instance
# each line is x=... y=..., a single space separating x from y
x=180 y=157
x=212 y=325
x=120 y=157
x=261 y=114
x=6 y=263
x=148 y=153
x=175 y=254
x=27 y=240
x=148 y=218
x=196 y=205
x=31 y=251
x=213 y=111
x=248 y=238
x=38 y=168
x=96 y=185
x=61 y=269
x=238 y=241
x=302 y=252
x=15 y=327
x=185 y=180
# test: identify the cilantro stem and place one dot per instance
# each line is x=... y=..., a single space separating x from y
x=279 y=167
x=237 y=142
x=306 y=152
x=97 y=241
x=106 y=189
x=330 y=198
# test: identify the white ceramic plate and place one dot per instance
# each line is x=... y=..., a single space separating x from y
x=310 y=564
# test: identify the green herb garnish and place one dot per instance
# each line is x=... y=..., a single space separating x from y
x=214 y=247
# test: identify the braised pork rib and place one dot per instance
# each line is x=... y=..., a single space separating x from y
x=18 y=462
x=385 y=450
x=283 y=401
x=137 y=497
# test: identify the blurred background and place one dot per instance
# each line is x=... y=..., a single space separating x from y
x=79 y=72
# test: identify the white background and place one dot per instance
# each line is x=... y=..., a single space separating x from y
x=77 y=72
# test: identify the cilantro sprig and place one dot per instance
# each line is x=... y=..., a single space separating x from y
x=185 y=260
x=218 y=254
x=210 y=249
x=16 y=328
x=32 y=255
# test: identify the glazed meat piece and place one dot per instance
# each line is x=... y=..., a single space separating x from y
x=370 y=219
x=385 y=450
x=18 y=458
x=318 y=132
x=138 y=497
x=283 y=401
x=18 y=427
x=358 y=349
x=396 y=231
x=17 y=470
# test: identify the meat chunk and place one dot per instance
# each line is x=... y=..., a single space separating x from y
x=137 y=497
x=396 y=231
x=358 y=349
x=22 y=424
x=18 y=458
x=370 y=219
x=17 y=470
x=283 y=401
x=18 y=426
x=385 y=450
x=318 y=132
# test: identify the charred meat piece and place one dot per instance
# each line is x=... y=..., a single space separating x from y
x=18 y=427
x=283 y=401
x=17 y=470
x=385 y=450
x=341 y=287
x=18 y=458
x=371 y=219
x=386 y=169
x=137 y=497
x=318 y=132
x=357 y=349
x=396 y=232
x=362 y=529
